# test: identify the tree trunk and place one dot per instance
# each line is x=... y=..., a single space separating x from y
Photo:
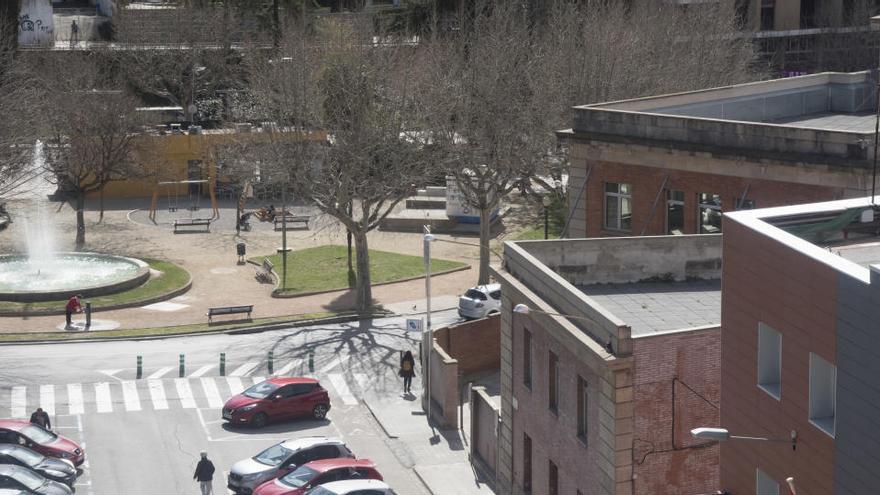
x=352 y=278
x=101 y=201
x=485 y=237
x=80 y=221
x=363 y=291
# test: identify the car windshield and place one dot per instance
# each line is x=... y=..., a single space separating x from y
x=28 y=478
x=260 y=390
x=28 y=457
x=475 y=294
x=273 y=456
x=300 y=477
x=37 y=434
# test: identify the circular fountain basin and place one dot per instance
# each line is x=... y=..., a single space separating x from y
x=24 y=279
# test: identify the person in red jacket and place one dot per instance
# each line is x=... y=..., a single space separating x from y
x=73 y=306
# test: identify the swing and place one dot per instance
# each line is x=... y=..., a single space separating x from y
x=195 y=204
x=172 y=206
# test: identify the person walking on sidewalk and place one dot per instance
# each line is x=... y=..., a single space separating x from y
x=73 y=306
x=41 y=418
x=407 y=370
x=204 y=473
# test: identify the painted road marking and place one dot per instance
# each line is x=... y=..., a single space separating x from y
x=19 y=402
x=160 y=373
x=103 y=402
x=111 y=373
x=211 y=392
x=201 y=371
x=244 y=369
x=47 y=398
x=130 y=396
x=288 y=367
x=184 y=392
x=338 y=382
x=75 y=398
x=362 y=380
x=157 y=392
x=258 y=379
x=235 y=385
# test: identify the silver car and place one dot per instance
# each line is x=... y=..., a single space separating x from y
x=22 y=478
x=281 y=459
x=480 y=302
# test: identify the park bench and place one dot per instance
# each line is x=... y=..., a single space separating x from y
x=229 y=310
x=264 y=273
x=192 y=222
x=290 y=220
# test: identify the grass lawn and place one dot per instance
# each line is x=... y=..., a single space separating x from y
x=535 y=234
x=325 y=268
x=173 y=277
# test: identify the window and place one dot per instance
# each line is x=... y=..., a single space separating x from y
x=823 y=384
x=710 y=213
x=766 y=485
x=553 y=385
x=770 y=360
x=674 y=212
x=527 y=358
x=553 y=479
x=583 y=401
x=768 y=14
x=618 y=206
x=527 y=463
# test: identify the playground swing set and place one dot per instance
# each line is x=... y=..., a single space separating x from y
x=194 y=196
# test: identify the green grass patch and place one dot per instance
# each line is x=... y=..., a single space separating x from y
x=325 y=268
x=159 y=331
x=173 y=278
x=535 y=234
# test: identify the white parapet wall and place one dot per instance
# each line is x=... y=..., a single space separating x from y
x=35 y=24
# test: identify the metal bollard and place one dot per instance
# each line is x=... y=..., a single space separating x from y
x=182 y=370
x=222 y=364
x=311 y=362
x=271 y=361
x=140 y=367
x=88 y=312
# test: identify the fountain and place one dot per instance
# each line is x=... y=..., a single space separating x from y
x=45 y=274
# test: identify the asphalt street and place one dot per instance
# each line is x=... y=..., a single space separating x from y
x=142 y=436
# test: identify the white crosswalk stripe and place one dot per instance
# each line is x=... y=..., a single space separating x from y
x=244 y=369
x=157 y=393
x=160 y=373
x=258 y=379
x=202 y=371
x=211 y=392
x=103 y=401
x=75 y=399
x=338 y=382
x=184 y=392
x=130 y=396
x=47 y=398
x=287 y=368
x=362 y=380
x=235 y=386
x=18 y=399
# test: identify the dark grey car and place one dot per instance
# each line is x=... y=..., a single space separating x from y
x=22 y=478
x=55 y=469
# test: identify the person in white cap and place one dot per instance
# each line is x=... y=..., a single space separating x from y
x=204 y=473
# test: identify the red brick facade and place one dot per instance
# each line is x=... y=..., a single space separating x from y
x=475 y=344
x=646 y=182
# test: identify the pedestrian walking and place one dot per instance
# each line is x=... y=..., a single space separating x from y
x=73 y=306
x=41 y=418
x=204 y=473
x=407 y=370
x=74 y=33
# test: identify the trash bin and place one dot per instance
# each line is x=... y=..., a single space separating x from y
x=241 y=248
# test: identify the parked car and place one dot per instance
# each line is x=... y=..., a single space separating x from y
x=41 y=440
x=60 y=470
x=480 y=301
x=22 y=478
x=317 y=473
x=353 y=487
x=277 y=399
x=281 y=459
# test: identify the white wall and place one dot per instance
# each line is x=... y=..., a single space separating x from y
x=35 y=25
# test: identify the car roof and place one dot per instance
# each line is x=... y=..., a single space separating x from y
x=288 y=380
x=348 y=486
x=487 y=288
x=13 y=424
x=325 y=465
x=308 y=442
x=10 y=447
x=7 y=469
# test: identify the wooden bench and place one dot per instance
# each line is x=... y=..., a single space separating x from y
x=229 y=310
x=290 y=220
x=192 y=222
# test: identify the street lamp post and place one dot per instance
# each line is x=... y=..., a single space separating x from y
x=546 y=201
x=722 y=435
x=427 y=336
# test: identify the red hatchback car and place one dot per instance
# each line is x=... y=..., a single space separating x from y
x=316 y=473
x=41 y=440
x=277 y=399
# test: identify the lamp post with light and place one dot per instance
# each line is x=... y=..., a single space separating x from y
x=427 y=337
x=723 y=435
x=546 y=201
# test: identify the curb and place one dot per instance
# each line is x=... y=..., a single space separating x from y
x=424 y=483
x=379 y=422
x=277 y=295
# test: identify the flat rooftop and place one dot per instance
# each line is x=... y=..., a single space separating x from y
x=653 y=307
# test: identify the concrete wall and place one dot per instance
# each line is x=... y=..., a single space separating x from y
x=444 y=388
x=36 y=25
x=484 y=429
x=474 y=344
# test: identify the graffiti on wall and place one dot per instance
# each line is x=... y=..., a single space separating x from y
x=35 y=24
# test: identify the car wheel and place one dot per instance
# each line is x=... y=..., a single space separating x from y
x=259 y=420
x=320 y=411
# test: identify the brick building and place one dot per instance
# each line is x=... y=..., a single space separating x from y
x=616 y=360
x=800 y=349
x=672 y=164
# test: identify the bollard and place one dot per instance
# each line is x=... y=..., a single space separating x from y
x=140 y=367
x=271 y=359
x=88 y=312
x=182 y=370
x=222 y=364
x=311 y=362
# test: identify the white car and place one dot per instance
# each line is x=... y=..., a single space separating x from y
x=480 y=301
x=353 y=487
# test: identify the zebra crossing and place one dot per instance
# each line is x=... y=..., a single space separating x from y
x=154 y=394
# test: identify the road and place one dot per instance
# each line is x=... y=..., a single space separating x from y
x=142 y=436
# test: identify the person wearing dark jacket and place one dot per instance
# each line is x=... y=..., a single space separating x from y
x=204 y=473
x=41 y=417
x=407 y=370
